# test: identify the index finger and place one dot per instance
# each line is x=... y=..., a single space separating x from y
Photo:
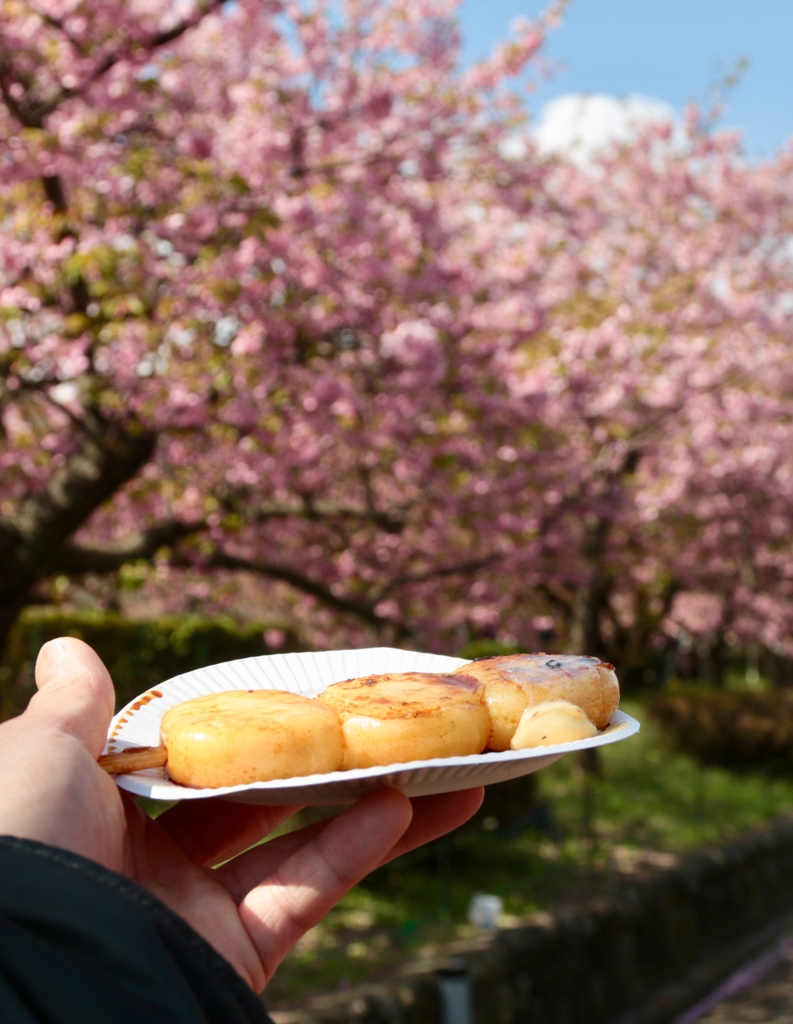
x=431 y=817
x=299 y=891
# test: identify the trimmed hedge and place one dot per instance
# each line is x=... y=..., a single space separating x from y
x=740 y=731
x=139 y=653
x=486 y=649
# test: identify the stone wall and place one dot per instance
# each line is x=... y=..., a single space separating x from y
x=637 y=959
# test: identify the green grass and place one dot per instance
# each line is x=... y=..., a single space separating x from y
x=652 y=797
x=647 y=807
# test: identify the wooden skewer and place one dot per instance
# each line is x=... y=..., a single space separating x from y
x=134 y=759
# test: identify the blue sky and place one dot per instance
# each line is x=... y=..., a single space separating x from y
x=670 y=50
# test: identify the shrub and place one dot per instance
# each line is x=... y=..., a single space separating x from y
x=139 y=653
x=744 y=731
x=486 y=649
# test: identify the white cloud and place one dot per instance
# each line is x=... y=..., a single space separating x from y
x=580 y=124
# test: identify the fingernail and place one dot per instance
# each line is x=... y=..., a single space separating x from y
x=53 y=651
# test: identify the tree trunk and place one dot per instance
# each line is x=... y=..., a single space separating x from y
x=9 y=613
x=716 y=660
x=110 y=454
x=585 y=635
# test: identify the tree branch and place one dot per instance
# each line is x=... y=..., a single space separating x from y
x=433 y=574
x=32 y=113
x=109 y=455
x=315 y=511
x=364 y=610
x=79 y=559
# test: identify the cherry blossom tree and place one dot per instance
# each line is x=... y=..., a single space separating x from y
x=281 y=295
x=670 y=382
x=241 y=262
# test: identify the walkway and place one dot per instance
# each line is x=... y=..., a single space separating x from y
x=761 y=992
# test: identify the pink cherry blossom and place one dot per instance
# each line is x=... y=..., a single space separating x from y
x=280 y=309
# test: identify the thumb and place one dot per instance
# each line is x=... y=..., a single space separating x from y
x=75 y=691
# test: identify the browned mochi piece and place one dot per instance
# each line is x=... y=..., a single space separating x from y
x=237 y=737
x=516 y=681
x=408 y=716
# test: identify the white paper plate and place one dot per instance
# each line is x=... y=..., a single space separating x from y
x=138 y=725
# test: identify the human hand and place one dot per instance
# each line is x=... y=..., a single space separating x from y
x=252 y=903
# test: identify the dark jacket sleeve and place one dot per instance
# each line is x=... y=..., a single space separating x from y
x=80 y=944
